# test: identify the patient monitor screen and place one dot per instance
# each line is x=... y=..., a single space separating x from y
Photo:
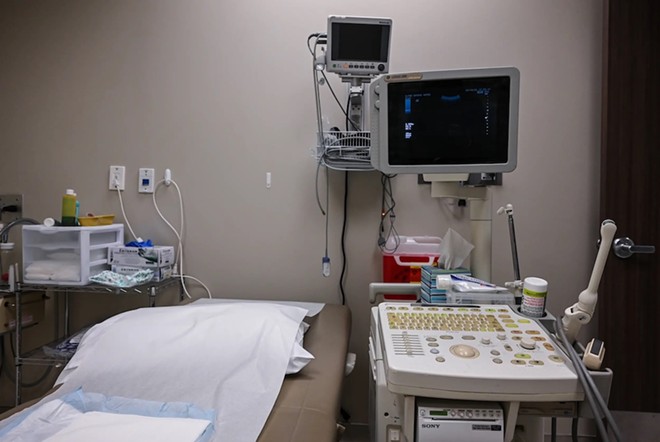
x=360 y=42
x=449 y=121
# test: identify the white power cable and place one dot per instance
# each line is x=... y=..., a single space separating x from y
x=179 y=236
x=123 y=212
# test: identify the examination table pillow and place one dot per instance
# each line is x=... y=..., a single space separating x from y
x=229 y=357
x=299 y=356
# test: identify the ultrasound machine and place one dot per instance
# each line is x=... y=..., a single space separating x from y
x=441 y=372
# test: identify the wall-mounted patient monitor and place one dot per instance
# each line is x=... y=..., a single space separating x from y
x=458 y=121
x=358 y=46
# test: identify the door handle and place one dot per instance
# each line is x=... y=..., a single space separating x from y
x=625 y=247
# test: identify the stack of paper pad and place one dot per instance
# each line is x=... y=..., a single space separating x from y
x=430 y=292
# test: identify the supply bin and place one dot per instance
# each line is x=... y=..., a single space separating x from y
x=67 y=255
x=405 y=264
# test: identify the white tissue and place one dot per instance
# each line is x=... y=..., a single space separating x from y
x=454 y=250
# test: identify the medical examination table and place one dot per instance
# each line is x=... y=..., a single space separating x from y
x=307 y=407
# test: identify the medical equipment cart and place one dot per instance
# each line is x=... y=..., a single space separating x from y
x=38 y=356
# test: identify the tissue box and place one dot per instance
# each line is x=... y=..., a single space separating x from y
x=151 y=257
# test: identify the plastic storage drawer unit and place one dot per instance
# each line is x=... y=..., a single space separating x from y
x=67 y=255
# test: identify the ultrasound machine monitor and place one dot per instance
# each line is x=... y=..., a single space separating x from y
x=457 y=121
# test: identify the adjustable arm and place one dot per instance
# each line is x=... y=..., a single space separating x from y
x=512 y=236
x=582 y=311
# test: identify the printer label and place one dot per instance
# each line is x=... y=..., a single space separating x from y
x=482 y=427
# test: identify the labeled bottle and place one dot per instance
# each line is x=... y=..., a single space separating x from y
x=69 y=208
x=535 y=292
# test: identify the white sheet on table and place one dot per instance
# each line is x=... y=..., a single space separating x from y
x=313 y=308
x=229 y=357
x=299 y=357
x=108 y=427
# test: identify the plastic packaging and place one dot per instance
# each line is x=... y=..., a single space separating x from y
x=108 y=277
x=504 y=298
x=69 y=208
x=535 y=291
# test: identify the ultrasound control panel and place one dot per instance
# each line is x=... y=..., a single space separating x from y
x=482 y=351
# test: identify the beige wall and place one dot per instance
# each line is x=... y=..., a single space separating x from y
x=221 y=93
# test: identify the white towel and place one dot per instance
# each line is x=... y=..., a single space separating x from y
x=109 y=427
x=51 y=270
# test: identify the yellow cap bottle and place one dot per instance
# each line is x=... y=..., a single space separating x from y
x=69 y=208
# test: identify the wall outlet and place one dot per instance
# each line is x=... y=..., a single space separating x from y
x=146 y=180
x=11 y=207
x=117 y=178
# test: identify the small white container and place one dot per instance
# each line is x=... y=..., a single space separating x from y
x=535 y=292
x=67 y=255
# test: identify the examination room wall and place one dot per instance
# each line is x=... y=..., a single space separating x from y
x=221 y=93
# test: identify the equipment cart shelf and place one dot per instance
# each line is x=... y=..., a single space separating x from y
x=38 y=356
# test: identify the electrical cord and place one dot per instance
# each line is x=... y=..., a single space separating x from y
x=388 y=217
x=596 y=401
x=337 y=99
x=338 y=148
x=343 y=242
x=325 y=261
x=335 y=146
x=123 y=212
x=318 y=198
x=574 y=430
x=348 y=107
x=179 y=255
x=354 y=143
x=342 y=276
x=317 y=95
x=318 y=36
x=179 y=235
x=325 y=269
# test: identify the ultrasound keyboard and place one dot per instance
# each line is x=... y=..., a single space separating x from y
x=483 y=351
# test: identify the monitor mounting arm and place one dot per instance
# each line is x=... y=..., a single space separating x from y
x=582 y=311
